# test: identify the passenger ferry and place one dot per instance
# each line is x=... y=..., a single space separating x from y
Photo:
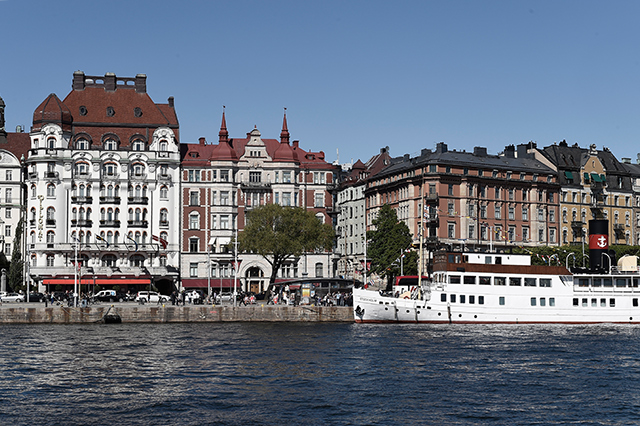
x=468 y=287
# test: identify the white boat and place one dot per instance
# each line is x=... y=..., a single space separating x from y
x=468 y=287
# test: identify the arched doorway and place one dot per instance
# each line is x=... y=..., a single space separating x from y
x=255 y=279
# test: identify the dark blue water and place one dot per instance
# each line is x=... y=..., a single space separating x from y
x=264 y=374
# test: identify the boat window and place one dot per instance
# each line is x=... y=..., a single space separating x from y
x=612 y=303
x=480 y=300
x=499 y=281
x=603 y=303
x=597 y=282
x=635 y=282
x=594 y=303
x=545 y=282
x=583 y=282
x=498 y=260
x=485 y=280
x=453 y=298
x=635 y=302
x=454 y=279
x=607 y=282
x=584 y=302
x=621 y=282
x=443 y=297
x=533 y=301
x=543 y=301
x=501 y=300
x=462 y=298
x=472 y=299
x=575 y=301
x=552 y=301
x=469 y=279
x=515 y=281
x=530 y=282
x=487 y=260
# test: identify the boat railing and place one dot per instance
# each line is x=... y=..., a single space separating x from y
x=605 y=289
x=617 y=271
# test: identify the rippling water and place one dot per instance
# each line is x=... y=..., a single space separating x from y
x=342 y=374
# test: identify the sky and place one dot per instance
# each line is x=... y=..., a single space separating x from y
x=354 y=76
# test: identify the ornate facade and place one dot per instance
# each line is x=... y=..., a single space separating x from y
x=103 y=187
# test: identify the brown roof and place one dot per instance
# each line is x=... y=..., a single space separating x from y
x=18 y=144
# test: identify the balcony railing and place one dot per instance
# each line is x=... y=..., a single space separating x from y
x=110 y=223
x=51 y=175
x=138 y=223
x=81 y=222
x=109 y=200
x=138 y=200
x=81 y=199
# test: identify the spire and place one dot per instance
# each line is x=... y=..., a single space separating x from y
x=284 y=135
x=223 y=135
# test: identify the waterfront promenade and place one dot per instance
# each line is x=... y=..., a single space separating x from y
x=129 y=312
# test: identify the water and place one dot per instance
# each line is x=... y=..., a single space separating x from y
x=324 y=374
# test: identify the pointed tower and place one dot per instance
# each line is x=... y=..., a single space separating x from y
x=223 y=135
x=284 y=134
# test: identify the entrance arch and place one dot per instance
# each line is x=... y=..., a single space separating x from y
x=254 y=277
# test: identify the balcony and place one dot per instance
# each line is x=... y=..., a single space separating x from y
x=33 y=175
x=32 y=222
x=137 y=176
x=138 y=223
x=110 y=223
x=577 y=224
x=164 y=223
x=81 y=199
x=50 y=222
x=51 y=175
x=138 y=200
x=110 y=176
x=83 y=223
x=109 y=200
x=255 y=185
x=164 y=177
x=431 y=197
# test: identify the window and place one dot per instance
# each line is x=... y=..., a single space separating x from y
x=224 y=198
x=7 y=213
x=51 y=190
x=255 y=177
x=194 y=221
x=450 y=189
x=109 y=169
x=224 y=221
x=533 y=301
x=193 y=269
x=480 y=300
x=8 y=175
x=50 y=259
x=139 y=145
x=193 y=198
x=286 y=199
x=319 y=270
x=319 y=199
x=515 y=281
x=138 y=169
x=193 y=245
x=498 y=212
x=110 y=145
x=529 y=282
x=164 y=192
x=451 y=230
x=501 y=300
x=286 y=177
x=224 y=175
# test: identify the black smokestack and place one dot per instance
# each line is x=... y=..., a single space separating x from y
x=598 y=242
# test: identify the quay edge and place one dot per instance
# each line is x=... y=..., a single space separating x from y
x=175 y=314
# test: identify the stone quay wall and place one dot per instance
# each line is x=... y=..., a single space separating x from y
x=175 y=314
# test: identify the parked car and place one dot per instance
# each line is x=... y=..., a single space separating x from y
x=224 y=298
x=13 y=297
x=36 y=297
x=110 y=296
x=150 y=297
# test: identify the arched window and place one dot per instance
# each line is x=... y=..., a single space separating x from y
x=82 y=144
x=163 y=146
x=110 y=237
x=164 y=192
x=51 y=190
x=74 y=214
x=81 y=168
x=34 y=191
x=138 y=145
x=137 y=169
x=319 y=270
x=109 y=260
x=110 y=169
x=164 y=217
x=51 y=237
x=136 y=260
x=51 y=143
x=110 y=145
x=33 y=216
x=51 y=213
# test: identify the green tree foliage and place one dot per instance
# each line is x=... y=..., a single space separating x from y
x=387 y=243
x=15 y=277
x=281 y=233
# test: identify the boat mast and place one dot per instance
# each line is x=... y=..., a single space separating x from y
x=422 y=230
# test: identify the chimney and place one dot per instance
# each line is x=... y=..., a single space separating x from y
x=110 y=82
x=424 y=152
x=510 y=151
x=625 y=160
x=202 y=141
x=78 y=81
x=141 y=83
x=480 y=151
x=441 y=147
x=295 y=144
x=170 y=100
x=406 y=158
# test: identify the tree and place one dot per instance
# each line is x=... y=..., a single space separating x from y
x=15 y=277
x=280 y=233
x=387 y=243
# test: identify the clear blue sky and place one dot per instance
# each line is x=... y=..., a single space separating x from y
x=354 y=75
